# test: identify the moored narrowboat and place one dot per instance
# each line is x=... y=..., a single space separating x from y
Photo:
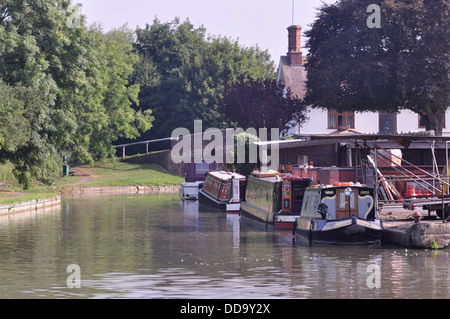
x=274 y=199
x=223 y=191
x=340 y=214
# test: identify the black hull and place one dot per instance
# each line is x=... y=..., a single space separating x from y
x=209 y=204
x=345 y=234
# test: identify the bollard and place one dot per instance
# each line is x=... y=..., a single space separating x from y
x=417 y=216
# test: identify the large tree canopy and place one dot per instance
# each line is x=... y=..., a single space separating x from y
x=26 y=122
x=261 y=103
x=182 y=73
x=404 y=64
x=68 y=84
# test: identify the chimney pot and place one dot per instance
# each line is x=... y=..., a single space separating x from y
x=294 y=49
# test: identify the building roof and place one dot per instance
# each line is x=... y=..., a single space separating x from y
x=410 y=140
x=347 y=131
x=293 y=77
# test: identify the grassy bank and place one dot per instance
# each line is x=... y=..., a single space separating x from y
x=116 y=173
x=14 y=196
x=105 y=173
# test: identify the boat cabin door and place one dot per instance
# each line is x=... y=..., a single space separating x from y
x=346 y=203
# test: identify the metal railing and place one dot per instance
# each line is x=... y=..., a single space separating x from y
x=123 y=146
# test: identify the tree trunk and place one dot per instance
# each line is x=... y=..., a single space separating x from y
x=435 y=120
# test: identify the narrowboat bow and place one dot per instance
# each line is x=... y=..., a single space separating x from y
x=339 y=214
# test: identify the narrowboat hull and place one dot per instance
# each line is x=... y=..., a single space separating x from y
x=208 y=202
x=274 y=219
x=349 y=231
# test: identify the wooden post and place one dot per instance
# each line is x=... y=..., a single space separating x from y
x=146 y=148
x=123 y=152
x=443 y=204
x=375 y=166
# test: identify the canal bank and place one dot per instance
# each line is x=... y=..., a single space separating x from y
x=401 y=229
x=32 y=205
x=99 y=190
x=41 y=204
x=107 y=177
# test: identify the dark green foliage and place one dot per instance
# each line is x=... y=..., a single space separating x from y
x=261 y=103
x=182 y=73
x=67 y=86
x=69 y=89
x=402 y=65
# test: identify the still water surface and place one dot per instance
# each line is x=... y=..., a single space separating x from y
x=156 y=246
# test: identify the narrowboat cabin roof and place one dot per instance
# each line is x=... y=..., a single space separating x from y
x=340 y=185
x=225 y=175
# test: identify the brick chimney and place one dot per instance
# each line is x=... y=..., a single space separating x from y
x=294 y=50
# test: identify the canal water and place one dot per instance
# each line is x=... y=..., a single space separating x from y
x=156 y=246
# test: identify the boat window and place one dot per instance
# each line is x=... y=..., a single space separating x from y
x=343 y=200
x=299 y=191
x=311 y=203
x=315 y=202
x=352 y=200
x=306 y=208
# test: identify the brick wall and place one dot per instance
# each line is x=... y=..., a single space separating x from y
x=321 y=156
x=327 y=175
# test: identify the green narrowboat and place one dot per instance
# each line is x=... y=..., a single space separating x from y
x=274 y=199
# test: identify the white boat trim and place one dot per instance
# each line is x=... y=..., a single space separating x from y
x=233 y=207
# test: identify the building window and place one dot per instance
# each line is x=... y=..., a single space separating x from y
x=422 y=121
x=341 y=120
x=387 y=123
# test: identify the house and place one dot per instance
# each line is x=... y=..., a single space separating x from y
x=292 y=74
x=328 y=153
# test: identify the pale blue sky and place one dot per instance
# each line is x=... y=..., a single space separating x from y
x=253 y=22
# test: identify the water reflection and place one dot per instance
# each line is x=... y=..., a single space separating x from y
x=152 y=246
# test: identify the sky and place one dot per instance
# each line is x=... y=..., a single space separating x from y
x=253 y=22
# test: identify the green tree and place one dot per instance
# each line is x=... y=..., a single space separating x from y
x=261 y=103
x=182 y=73
x=78 y=77
x=404 y=64
x=106 y=110
x=26 y=123
x=242 y=142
